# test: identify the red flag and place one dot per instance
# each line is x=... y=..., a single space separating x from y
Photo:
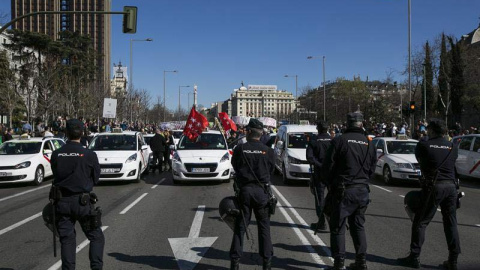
x=227 y=123
x=195 y=125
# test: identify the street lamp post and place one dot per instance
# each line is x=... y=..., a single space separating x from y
x=164 y=92
x=179 y=107
x=324 y=86
x=424 y=93
x=296 y=92
x=131 y=71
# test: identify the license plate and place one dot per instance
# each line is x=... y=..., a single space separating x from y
x=109 y=170
x=200 y=169
x=5 y=173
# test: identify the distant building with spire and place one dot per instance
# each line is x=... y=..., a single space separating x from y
x=118 y=85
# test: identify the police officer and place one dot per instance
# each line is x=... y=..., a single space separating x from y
x=76 y=171
x=158 y=146
x=253 y=162
x=316 y=151
x=348 y=165
x=436 y=157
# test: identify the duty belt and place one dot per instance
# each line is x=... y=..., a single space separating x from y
x=355 y=186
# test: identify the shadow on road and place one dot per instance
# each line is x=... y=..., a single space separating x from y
x=405 y=218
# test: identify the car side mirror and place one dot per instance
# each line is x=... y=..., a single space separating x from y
x=47 y=151
x=172 y=147
x=379 y=151
x=280 y=145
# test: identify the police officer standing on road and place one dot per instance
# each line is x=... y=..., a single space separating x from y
x=347 y=168
x=436 y=157
x=76 y=171
x=253 y=162
x=158 y=145
x=316 y=151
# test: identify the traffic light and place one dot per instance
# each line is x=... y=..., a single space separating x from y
x=412 y=106
x=130 y=20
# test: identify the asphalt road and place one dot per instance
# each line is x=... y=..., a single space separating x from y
x=143 y=220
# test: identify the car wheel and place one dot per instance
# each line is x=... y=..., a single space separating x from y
x=147 y=170
x=137 y=180
x=285 y=179
x=227 y=181
x=387 y=175
x=39 y=176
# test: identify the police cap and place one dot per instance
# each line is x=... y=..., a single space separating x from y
x=322 y=125
x=354 y=118
x=254 y=123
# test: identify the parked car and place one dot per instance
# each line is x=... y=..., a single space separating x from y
x=468 y=161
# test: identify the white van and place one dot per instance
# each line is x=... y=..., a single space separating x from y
x=290 y=151
x=468 y=161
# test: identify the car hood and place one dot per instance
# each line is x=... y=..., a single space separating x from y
x=12 y=160
x=408 y=158
x=201 y=155
x=113 y=156
x=298 y=153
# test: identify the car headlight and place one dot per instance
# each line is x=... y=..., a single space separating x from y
x=225 y=157
x=293 y=160
x=132 y=158
x=23 y=165
x=403 y=165
x=176 y=157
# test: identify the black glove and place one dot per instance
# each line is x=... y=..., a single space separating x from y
x=93 y=198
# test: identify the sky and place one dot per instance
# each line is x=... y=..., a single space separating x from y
x=217 y=44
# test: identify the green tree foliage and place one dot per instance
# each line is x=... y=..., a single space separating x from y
x=457 y=80
x=443 y=78
x=428 y=82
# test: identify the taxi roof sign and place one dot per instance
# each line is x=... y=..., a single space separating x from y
x=117 y=130
x=24 y=137
x=402 y=137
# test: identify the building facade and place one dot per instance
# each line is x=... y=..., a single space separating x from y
x=96 y=26
x=118 y=85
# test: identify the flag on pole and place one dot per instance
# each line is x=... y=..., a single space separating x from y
x=195 y=125
x=227 y=123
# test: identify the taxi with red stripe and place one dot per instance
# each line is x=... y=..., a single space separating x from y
x=27 y=159
x=122 y=155
x=468 y=161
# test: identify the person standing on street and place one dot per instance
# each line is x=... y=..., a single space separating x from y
x=166 y=155
x=158 y=145
x=76 y=170
x=8 y=135
x=316 y=151
x=436 y=157
x=348 y=165
x=253 y=163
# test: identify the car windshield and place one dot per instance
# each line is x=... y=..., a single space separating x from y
x=177 y=134
x=204 y=141
x=300 y=140
x=114 y=143
x=20 y=148
x=398 y=147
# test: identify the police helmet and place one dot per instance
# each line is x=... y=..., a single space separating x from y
x=47 y=214
x=229 y=210
x=412 y=202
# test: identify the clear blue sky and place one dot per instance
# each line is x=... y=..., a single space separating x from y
x=217 y=44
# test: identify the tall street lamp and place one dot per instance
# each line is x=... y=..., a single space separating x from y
x=164 y=92
x=424 y=92
x=296 y=89
x=324 y=90
x=131 y=71
x=179 y=107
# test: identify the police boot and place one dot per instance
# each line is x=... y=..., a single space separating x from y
x=338 y=264
x=267 y=263
x=451 y=264
x=411 y=261
x=235 y=264
x=359 y=264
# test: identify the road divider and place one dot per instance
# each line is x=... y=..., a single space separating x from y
x=133 y=204
x=18 y=224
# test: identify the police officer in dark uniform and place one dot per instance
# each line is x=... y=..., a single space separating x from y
x=436 y=157
x=253 y=162
x=76 y=171
x=348 y=165
x=316 y=151
x=158 y=146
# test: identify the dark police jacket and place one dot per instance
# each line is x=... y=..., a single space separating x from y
x=350 y=159
x=431 y=153
x=158 y=143
x=316 y=151
x=75 y=169
x=261 y=160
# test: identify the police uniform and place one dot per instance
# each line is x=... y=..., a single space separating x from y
x=76 y=170
x=347 y=168
x=430 y=155
x=315 y=153
x=253 y=195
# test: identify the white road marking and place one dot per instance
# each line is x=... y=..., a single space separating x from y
x=316 y=238
x=402 y=196
x=159 y=182
x=197 y=222
x=478 y=225
x=18 y=224
x=23 y=193
x=85 y=243
x=382 y=188
x=300 y=236
x=439 y=210
x=133 y=204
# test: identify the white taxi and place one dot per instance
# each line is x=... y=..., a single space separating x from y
x=27 y=159
x=123 y=155
x=207 y=158
x=396 y=159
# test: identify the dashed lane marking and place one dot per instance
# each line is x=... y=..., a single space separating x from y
x=23 y=193
x=133 y=204
x=382 y=188
x=402 y=196
x=478 y=225
x=157 y=184
x=85 y=243
x=18 y=224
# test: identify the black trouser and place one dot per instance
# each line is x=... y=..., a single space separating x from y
x=352 y=206
x=445 y=195
x=157 y=160
x=253 y=197
x=319 y=201
x=166 y=159
x=70 y=211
